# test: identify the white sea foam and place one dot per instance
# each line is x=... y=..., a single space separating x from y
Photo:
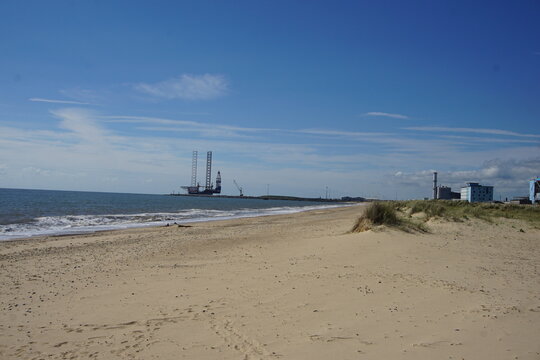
x=77 y=224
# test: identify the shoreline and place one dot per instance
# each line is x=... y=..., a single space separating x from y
x=293 y=286
x=250 y=213
x=275 y=197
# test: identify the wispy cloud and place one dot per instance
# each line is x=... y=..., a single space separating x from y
x=83 y=147
x=209 y=128
x=148 y=120
x=387 y=143
x=507 y=175
x=58 y=101
x=350 y=134
x=170 y=125
x=188 y=87
x=383 y=114
x=90 y=96
x=470 y=130
x=81 y=123
x=478 y=139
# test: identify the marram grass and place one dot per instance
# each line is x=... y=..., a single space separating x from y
x=386 y=214
x=399 y=214
x=462 y=210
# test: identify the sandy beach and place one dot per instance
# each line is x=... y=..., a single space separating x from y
x=277 y=287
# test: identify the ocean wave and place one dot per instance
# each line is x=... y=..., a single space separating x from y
x=77 y=224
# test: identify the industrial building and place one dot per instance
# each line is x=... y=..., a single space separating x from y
x=446 y=193
x=520 y=200
x=534 y=190
x=474 y=192
x=443 y=192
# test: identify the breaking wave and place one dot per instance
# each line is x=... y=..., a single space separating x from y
x=78 y=224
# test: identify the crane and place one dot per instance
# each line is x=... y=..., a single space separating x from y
x=238 y=187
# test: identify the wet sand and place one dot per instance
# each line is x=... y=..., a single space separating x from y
x=279 y=287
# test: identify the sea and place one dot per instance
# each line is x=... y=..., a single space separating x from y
x=27 y=213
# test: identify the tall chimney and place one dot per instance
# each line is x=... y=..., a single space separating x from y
x=434 y=185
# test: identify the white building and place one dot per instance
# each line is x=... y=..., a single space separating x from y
x=474 y=192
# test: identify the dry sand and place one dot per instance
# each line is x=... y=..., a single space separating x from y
x=288 y=286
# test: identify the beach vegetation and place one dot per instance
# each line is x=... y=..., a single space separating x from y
x=412 y=215
x=386 y=214
x=463 y=210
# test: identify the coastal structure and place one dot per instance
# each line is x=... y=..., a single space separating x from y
x=443 y=192
x=474 y=192
x=195 y=187
x=240 y=189
x=534 y=190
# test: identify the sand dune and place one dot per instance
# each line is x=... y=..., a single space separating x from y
x=289 y=286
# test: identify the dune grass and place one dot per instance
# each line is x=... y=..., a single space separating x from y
x=412 y=215
x=386 y=214
x=462 y=210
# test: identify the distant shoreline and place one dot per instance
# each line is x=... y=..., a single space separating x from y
x=271 y=197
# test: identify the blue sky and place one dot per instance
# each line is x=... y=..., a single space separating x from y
x=365 y=97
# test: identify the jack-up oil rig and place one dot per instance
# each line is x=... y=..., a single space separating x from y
x=208 y=189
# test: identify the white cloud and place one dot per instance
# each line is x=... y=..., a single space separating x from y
x=470 y=130
x=81 y=155
x=86 y=152
x=383 y=114
x=188 y=87
x=351 y=134
x=470 y=139
x=148 y=120
x=508 y=176
x=498 y=170
x=204 y=129
x=58 y=101
x=195 y=124
x=81 y=123
x=372 y=149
